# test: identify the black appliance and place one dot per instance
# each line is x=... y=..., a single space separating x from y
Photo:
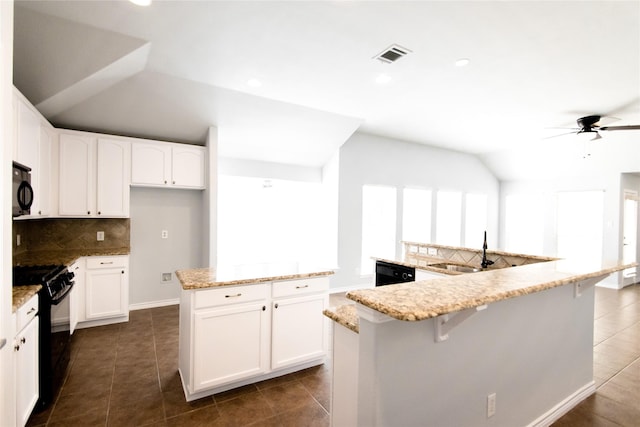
x=54 y=321
x=388 y=273
x=22 y=190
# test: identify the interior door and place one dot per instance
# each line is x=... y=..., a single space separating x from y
x=630 y=235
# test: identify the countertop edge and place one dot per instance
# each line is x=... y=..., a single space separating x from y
x=401 y=311
x=188 y=284
x=22 y=294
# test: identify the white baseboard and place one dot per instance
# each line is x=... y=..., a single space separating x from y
x=555 y=413
x=153 y=304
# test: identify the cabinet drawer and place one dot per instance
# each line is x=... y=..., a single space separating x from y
x=27 y=312
x=300 y=287
x=106 y=262
x=230 y=295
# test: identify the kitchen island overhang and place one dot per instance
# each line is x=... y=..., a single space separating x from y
x=432 y=352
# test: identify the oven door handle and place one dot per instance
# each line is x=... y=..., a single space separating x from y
x=63 y=296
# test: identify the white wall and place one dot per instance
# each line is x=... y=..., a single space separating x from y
x=374 y=160
x=180 y=212
x=7 y=402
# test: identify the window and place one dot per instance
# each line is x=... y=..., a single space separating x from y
x=378 y=225
x=580 y=219
x=416 y=215
x=475 y=220
x=448 y=217
x=524 y=224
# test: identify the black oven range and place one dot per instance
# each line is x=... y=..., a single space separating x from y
x=54 y=321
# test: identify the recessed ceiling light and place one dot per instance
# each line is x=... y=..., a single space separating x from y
x=141 y=2
x=462 y=62
x=254 y=82
x=383 y=79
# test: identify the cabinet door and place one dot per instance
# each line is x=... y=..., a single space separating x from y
x=113 y=178
x=28 y=135
x=150 y=164
x=26 y=351
x=188 y=168
x=106 y=293
x=77 y=175
x=229 y=344
x=298 y=330
x=42 y=191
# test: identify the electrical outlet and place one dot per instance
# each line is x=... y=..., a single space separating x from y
x=17 y=240
x=491 y=405
x=100 y=236
x=165 y=234
x=166 y=277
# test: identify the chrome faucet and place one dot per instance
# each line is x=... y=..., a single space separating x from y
x=485 y=262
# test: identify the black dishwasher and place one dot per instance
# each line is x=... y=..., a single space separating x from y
x=388 y=273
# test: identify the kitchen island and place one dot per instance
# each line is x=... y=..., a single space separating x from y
x=244 y=324
x=501 y=347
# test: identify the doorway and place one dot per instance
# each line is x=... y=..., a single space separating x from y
x=630 y=235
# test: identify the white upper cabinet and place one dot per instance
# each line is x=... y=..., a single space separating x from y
x=32 y=148
x=113 y=178
x=77 y=175
x=161 y=164
x=187 y=166
x=94 y=176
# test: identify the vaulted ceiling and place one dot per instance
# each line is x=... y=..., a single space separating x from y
x=290 y=81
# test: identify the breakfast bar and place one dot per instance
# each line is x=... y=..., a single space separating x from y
x=503 y=346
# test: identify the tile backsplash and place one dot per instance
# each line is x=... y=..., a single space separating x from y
x=70 y=234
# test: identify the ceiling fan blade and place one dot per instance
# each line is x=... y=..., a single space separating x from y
x=630 y=127
x=562 y=134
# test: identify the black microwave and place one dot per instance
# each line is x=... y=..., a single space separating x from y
x=22 y=190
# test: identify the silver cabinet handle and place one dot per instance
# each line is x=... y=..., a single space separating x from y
x=233 y=296
x=302 y=287
x=3 y=341
x=105 y=263
x=31 y=310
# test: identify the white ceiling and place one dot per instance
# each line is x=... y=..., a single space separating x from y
x=171 y=70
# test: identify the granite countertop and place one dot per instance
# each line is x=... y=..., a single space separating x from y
x=201 y=278
x=425 y=299
x=22 y=294
x=64 y=257
x=346 y=315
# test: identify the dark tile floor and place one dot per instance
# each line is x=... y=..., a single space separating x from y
x=126 y=375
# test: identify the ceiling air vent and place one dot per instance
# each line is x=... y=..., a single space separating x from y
x=392 y=54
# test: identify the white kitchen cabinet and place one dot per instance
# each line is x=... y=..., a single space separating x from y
x=161 y=164
x=106 y=287
x=227 y=336
x=76 y=297
x=26 y=360
x=299 y=329
x=32 y=147
x=94 y=176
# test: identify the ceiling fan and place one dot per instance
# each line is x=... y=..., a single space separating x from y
x=589 y=127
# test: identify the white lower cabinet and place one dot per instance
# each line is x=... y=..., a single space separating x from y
x=106 y=287
x=26 y=360
x=298 y=334
x=236 y=335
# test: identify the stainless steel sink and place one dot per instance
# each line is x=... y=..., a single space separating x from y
x=456 y=267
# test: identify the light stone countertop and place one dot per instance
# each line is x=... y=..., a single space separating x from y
x=426 y=299
x=22 y=294
x=64 y=257
x=202 y=278
x=346 y=315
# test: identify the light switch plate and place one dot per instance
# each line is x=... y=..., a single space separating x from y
x=100 y=236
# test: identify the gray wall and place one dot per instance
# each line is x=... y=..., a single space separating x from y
x=153 y=210
x=368 y=159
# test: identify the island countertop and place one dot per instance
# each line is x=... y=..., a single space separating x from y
x=202 y=278
x=415 y=301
